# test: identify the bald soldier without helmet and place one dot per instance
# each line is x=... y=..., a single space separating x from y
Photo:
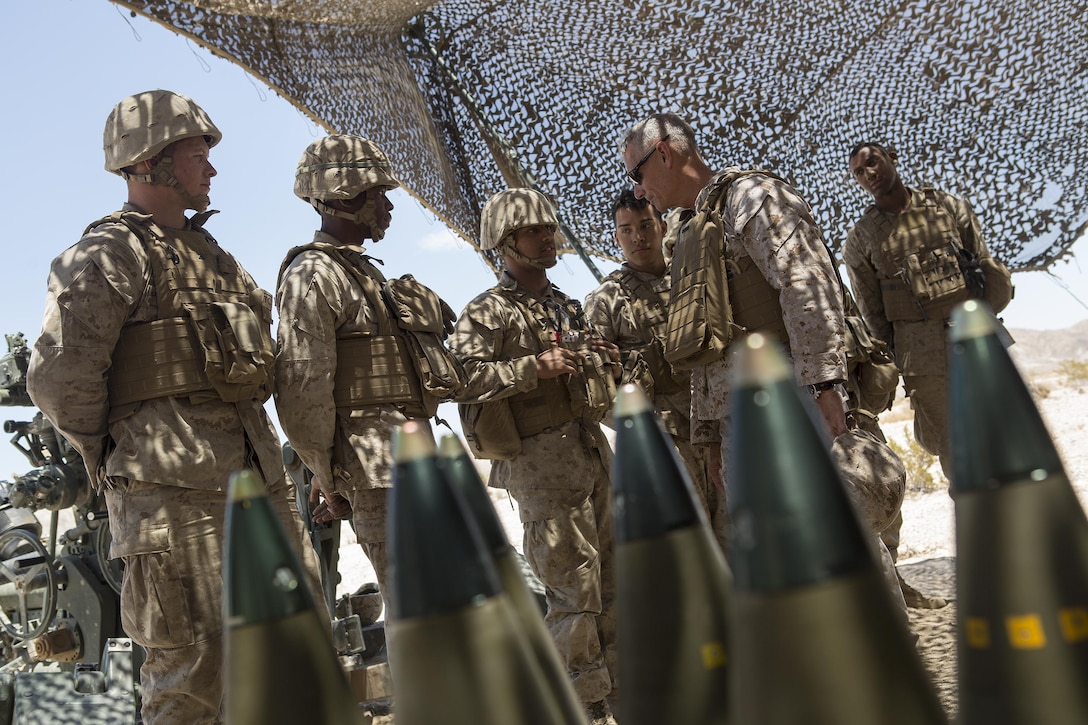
x=536 y=390
x=345 y=374
x=155 y=360
x=906 y=259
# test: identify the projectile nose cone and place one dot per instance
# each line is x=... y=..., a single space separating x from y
x=469 y=488
x=630 y=400
x=759 y=361
x=263 y=577
x=653 y=494
x=792 y=522
x=997 y=432
x=450 y=446
x=438 y=561
x=972 y=319
x=244 y=485
x=412 y=442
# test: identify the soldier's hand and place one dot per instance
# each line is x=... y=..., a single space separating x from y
x=610 y=353
x=556 y=361
x=332 y=507
x=831 y=410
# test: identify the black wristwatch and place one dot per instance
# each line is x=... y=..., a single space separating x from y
x=818 y=389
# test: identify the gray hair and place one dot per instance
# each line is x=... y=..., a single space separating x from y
x=653 y=128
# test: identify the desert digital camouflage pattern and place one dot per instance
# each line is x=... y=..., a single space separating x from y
x=612 y=312
x=561 y=484
x=768 y=221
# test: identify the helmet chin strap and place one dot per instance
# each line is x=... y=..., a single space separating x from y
x=509 y=250
x=367 y=215
x=162 y=174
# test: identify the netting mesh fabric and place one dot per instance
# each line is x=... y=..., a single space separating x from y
x=985 y=99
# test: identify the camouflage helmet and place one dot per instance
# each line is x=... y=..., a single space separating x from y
x=341 y=167
x=875 y=477
x=141 y=126
x=510 y=210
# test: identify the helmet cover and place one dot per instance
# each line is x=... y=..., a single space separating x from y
x=141 y=126
x=510 y=210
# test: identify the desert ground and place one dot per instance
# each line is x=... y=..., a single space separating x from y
x=1055 y=365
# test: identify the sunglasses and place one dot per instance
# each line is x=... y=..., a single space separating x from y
x=635 y=174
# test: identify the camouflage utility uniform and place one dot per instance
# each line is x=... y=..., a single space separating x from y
x=875 y=254
x=560 y=480
x=347 y=446
x=630 y=308
x=162 y=458
x=769 y=228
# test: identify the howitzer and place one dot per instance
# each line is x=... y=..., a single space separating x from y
x=60 y=628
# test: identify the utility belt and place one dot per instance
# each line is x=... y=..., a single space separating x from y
x=222 y=350
x=546 y=406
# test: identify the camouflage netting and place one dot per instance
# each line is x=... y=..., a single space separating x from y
x=985 y=99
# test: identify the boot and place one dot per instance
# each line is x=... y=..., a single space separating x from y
x=915 y=599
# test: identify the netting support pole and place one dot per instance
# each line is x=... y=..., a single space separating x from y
x=495 y=140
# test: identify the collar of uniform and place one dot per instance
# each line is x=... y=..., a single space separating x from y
x=508 y=282
x=725 y=176
x=646 y=276
x=320 y=236
x=197 y=220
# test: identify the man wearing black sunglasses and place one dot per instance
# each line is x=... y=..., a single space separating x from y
x=780 y=277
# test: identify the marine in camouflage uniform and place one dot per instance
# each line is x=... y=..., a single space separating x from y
x=630 y=308
x=154 y=361
x=533 y=399
x=344 y=381
x=902 y=260
x=772 y=245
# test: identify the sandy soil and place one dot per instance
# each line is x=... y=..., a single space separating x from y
x=927 y=555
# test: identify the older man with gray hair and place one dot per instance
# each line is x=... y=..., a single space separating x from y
x=755 y=236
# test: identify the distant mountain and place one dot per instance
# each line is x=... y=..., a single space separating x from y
x=1040 y=351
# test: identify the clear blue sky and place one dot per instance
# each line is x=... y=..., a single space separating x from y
x=68 y=62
